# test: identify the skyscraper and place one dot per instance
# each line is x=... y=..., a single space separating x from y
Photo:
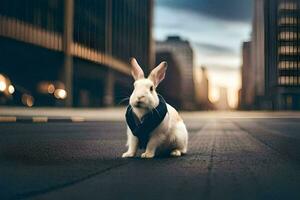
x=222 y=103
x=183 y=53
x=202 y=92
x=258 y=51
x=172 y=83
x=279 y=37
x=85 y=45
x=248 y=78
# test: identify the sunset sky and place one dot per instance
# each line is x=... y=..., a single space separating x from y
x=216 y=29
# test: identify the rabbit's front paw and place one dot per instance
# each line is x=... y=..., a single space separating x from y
x=147 y=155
x=128 y=155
x=176 y=153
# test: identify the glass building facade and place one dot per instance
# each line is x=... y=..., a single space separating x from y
x=79 y=43
x=289 y=46
x=282 y=53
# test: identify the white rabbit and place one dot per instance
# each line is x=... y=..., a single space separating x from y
x=171 y=133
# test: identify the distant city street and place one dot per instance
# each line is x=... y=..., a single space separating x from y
x=235 y=155
x=70 y=68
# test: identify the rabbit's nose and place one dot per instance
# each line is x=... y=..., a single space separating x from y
x=141 y=97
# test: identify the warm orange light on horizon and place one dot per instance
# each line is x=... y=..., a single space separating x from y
x=231 y=80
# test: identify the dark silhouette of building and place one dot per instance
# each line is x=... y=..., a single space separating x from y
x=222 y=103
x=171 y=85
x=281 y=56
x=258 y=52
x=248 y=79
x=183 y=54
x=83 y=46
x=202 y=90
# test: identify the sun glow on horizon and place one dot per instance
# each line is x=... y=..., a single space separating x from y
x=231 y=80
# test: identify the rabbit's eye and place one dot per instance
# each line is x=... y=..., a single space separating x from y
x=151 y=88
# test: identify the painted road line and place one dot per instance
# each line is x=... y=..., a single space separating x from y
x=39 y=119
x=8 y=119
x=77 y=119
x=51 y=119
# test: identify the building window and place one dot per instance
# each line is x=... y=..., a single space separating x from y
x=287 y=21
x=288 y=35
x=288 y=80
x=282 y=80
x=287 y=6
x=288 y=50
x=282 y=64
x=288 y=65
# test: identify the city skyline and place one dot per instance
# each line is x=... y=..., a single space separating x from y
x=73 y=35
x=150 y=99
x=220 y=53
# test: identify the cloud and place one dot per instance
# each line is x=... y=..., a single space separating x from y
x=221 y=68
x=213 y=49
x=229 y=10
x=217 y=43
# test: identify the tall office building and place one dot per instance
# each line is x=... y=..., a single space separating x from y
x=172 y=83
x=279 y=38
x=282 y=30
x=183 y=53
x=222 y=103
x=258 y=51
x=81 y=47
x=248 y=78
x=202 y=92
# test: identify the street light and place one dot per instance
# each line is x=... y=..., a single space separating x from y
x=27 y=100
x=11 y=89
x=3 y=84
x=60 y=93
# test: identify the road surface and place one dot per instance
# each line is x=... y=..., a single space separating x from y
x=241 y=157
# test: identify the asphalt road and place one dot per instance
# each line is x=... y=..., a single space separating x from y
x=228 y=158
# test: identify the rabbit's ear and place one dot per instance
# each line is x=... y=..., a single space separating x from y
x=158 y=73
x=136 y=70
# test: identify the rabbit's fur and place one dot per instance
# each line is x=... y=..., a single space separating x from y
x=171 y=134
